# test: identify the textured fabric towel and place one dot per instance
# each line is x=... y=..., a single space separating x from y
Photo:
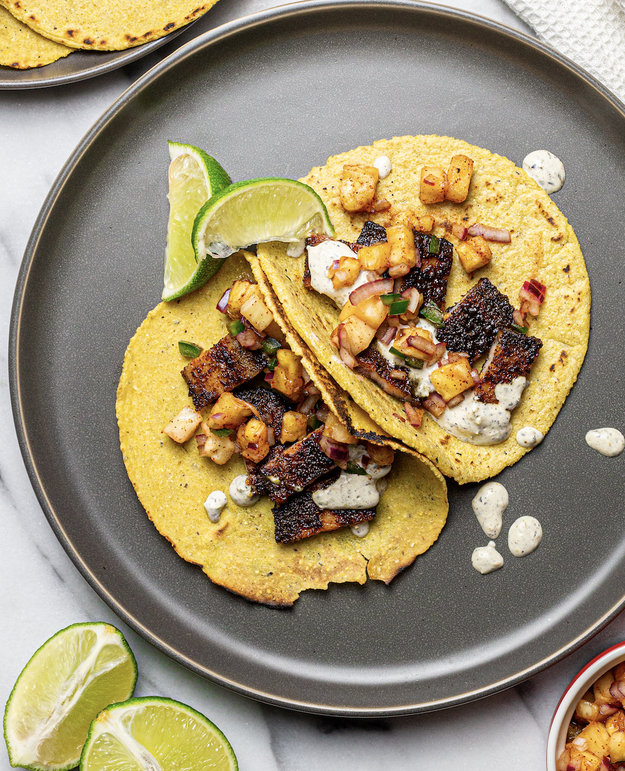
x=590 y=32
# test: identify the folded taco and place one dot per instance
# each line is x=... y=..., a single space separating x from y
x=240 y=463
x=453 y=305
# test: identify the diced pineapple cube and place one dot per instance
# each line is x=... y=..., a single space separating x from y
x=601 y=688
x=474 y=254
x=288 y=374
x=403 y=254
x=346 y=273
x=375 y=257
x=424 y=223
x=433 y=184
x=459 y=178
x=357 y=187
x=372 y=311
x=218 y=448
x=253 y=440
x=239 y=292
x=587 y=710
x=183 y=426
x=337 y=431
x=452 y=379
x=616 y=747
x=402 y=345
x=583 y=760
x=228 y=412
x=294 y=426
x=597 y=738
x=256 y=312
x=356 y=334
x=380 y=453
x=615 y=722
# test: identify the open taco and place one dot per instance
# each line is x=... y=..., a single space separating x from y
x=453 y=304
x=246 y=408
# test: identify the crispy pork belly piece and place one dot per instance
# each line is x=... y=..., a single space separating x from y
x=512 y=355
x=221 y=368
x=291 y=470
x=371 y=233
x=270 y=404
x=371 y=364
x=472 y=324
x=430 y=278
x=300 y=517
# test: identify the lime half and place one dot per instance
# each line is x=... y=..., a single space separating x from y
x=151 y=733
x=73 y=676
x=193 y=178
x=256 y=211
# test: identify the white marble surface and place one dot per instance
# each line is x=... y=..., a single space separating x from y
x=42 y=590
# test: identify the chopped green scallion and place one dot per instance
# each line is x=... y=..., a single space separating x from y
x=522 y=330
x=389 y=299
x=221 y=431
x=354 y=468
x=432 y=313
x=397 y=308
x=435 y=245
x=235 y=327
x=415 y=363
x=313 y=422
x=190 y=350
x=270 y=346
x=271 y=364
x=395 y=352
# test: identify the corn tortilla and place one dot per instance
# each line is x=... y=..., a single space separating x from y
x=105 y=25
x=240 y=552
x=22 y=48
x=543 y=246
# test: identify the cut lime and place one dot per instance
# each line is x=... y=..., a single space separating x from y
x=193 y=178
x=151 y=733
x=256 y=211
x=73 y=676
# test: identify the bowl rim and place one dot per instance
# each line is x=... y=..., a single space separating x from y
x=565 y=708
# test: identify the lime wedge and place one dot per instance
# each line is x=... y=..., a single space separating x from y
x=73 y=676
x=256 y=211
x=152 y=733
x=193 y=178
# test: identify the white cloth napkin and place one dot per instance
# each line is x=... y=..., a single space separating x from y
x=590 y=32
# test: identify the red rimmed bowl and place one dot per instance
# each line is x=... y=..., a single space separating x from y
x=576 y=689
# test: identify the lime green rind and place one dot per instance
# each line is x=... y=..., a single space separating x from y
x=219 y=177
x=103 y=744
x=12 y=702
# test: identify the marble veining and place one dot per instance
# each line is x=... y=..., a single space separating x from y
x=42 y=591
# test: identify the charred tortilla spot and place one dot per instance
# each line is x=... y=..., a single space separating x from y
x=88 y=41
x=169 y=26
x=562 y=357
x=545 y=213
x=566 y=269
x=552 y=368
x=472 y=324
x=221 y=368
x=511 y=356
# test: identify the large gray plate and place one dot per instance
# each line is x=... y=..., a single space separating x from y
x=274 y=95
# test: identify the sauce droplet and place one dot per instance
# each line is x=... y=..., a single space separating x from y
x=546 y=169
x=485 y=559
x=524 y=536
x=489 y=505
x=529 y=437
x=383 y=165
x=608 y=441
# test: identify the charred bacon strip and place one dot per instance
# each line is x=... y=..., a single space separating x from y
x=371 y=364
x=296 y=467
x=431 y=277
x=300 y=517
x=472 y=324
x=270 y=405
x=221 y=368
x=512 y=355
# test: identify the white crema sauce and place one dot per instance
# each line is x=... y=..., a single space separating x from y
x=320 y=259
x=383 y=165
x=481 y=423
x=241 y=493
x=215 y=504
x=351 y=491
x=420 y=378
x=485 y=559
x=546 y=169
x=489 y=505
x=529 y=437
x=524 y=536
x=608 y=441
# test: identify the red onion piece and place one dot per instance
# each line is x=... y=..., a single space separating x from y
x=343 y=338
x=605 y=710
x=347 y=358
x=414 y=297
x=455 y=400
x=371 y=288
x=200 y=439
x=421 y=344
x=490 y=234
x=269 y=377
x=334 y=450
x=271 y=436
x=415 y=416
x=397 y=374
x=380 y=205
x=249 y=340
x=435 y=404
x=518 y=318
x=533 y=290
x=476 y=376
x=386 y=333
x=460 y=231
x=617 y=689
x=308 y=405
x=323 y=412
x=311 y=389
x=441 y=349
x=222 y=305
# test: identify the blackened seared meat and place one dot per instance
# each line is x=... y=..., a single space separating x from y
x=296 y=467
x=431 y=277
x=270 y=405
x=472 y=324
x=511 y=356
x=221 y=368
x=372 y=365
x=300 y=517
x=259 y=481
x=371 y=233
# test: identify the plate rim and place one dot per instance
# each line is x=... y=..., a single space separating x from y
x=212 y=37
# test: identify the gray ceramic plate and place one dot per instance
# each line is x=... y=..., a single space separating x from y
x=275 y=95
